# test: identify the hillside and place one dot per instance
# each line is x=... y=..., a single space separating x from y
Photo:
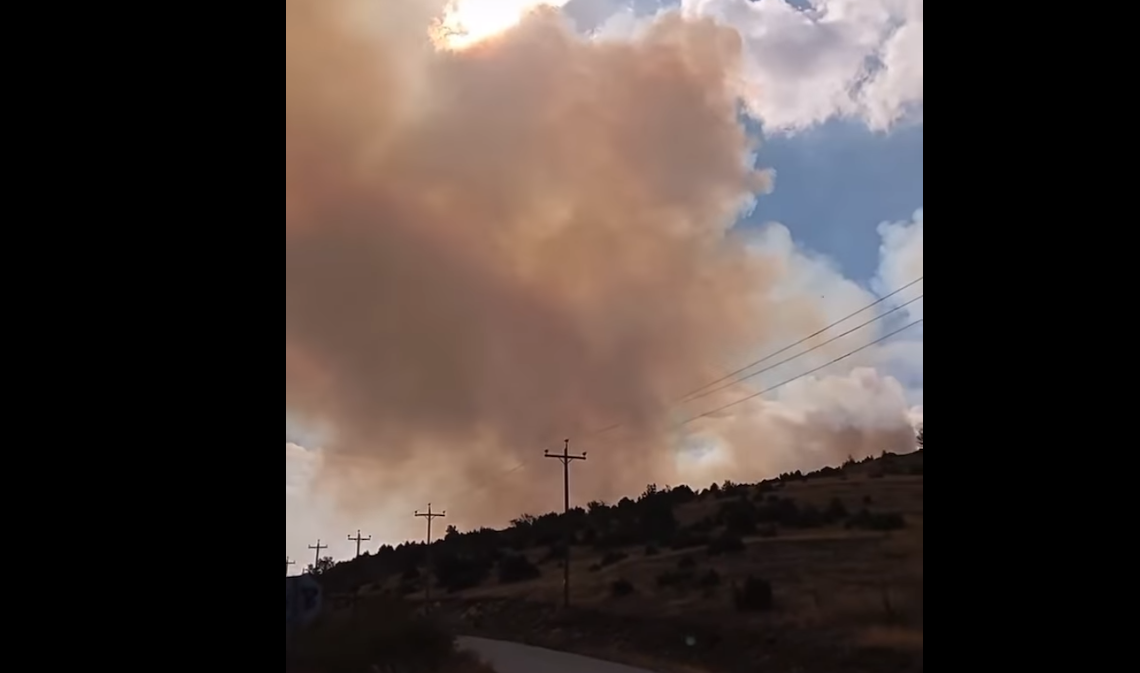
x=812 y=572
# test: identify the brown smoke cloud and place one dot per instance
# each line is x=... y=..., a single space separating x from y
x=488 y=251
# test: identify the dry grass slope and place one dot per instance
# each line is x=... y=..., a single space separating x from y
x=817 y=573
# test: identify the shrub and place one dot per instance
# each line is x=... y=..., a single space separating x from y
x=459 y=573
x=651 y=551
x=618 y=539
x=687 y=563
x=622 y=589
x=705 y=525
x=710 y=579
x=690 y=540
x=514 y=569
x=675 y=578
x=657 y=521
x=785 y=512
x=740 y=517
x=755 y=596
x=613 y=558
x=556 y=552
x=769 y=532
x=727 y=544
x=879 y=523
x=385 y=632
x=836 y=511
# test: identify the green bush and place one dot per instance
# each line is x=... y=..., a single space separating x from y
x=837 y=511
x=622 y=589
x=678 y=578
x=613 y=558
x=690 y=540
x=384 y=633
x=884 y=522
x=710 y=579
x=769 y=532
x=727 y=544
x=513 y=569
x=755 y=596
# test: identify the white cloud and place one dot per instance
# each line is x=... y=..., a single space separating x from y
x=840 y=58
x=860 y=406
x=299 y=466
x=902 y=259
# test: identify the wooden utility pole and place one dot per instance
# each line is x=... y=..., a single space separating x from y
x=288 y=563
x=358 y=539
x=566 y=460
x=318 y=547
x=430 y=516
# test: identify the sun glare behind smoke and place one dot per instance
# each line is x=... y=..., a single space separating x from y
x=468 y=22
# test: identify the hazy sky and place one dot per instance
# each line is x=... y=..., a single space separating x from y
x=834 y=89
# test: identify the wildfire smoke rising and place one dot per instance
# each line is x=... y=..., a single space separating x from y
x=491 y=249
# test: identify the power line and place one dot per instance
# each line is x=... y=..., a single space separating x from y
x=487 y=484
x=699 y=392
x=318 y=548
x=806 y=339
x=808 y=351
x=566 y=459
x=358 y=540
x=430 y=516
x=801 y=376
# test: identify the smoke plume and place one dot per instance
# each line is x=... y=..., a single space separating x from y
x=490 y=250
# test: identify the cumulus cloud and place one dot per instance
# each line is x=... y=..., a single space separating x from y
x=815 y=60
x=865 y=404
x=806 y=62
x=489 y=250
x=903 y=256
x=299 y=465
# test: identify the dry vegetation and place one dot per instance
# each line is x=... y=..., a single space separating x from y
x=382 y=635
x=822 y=572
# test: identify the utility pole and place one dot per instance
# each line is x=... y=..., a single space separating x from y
x=358 y=539
x=318 y=547
x=566 y=460
x=288 y=563
x=430 y=516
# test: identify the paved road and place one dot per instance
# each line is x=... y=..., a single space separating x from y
x=512 y=658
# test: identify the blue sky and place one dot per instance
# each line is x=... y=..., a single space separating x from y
x=837 y=183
